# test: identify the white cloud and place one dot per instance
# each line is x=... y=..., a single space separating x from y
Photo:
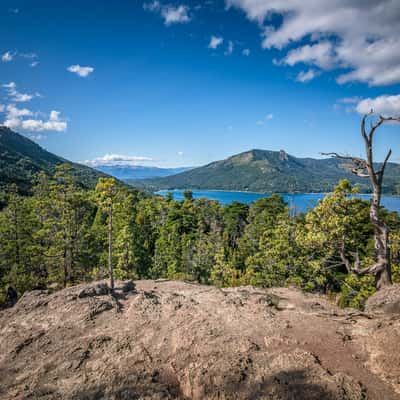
x=33 y=64
x=360 y=36
x=320 y=54
x=170 y=13
x=14 y=112
x=16 y=96
x=10 y=56
x=246 y=52
x=116 y=159
x=229 y=49
x=17 y=118
x=260 y=122
x=7 y=56
x=175 y=15
x=305 y=76
x=83 y=72
x=385 y=105
x=269 y=116
x=181 y=153
x=215 y=41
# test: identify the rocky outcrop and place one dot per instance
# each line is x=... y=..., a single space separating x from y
x=385 y=301
x=176 y=340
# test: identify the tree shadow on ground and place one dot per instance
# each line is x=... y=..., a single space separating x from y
x=286 y=385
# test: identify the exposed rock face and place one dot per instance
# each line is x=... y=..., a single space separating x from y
x=386 y=301
x=175 y=340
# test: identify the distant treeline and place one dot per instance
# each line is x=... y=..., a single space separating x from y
x=59 y=237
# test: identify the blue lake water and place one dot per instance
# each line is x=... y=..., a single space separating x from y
x=297 y=202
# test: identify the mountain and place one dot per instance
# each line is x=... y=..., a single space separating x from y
x=270 y=171
x=21 y=159
x=127 y=172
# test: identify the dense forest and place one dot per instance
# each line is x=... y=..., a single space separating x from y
x=59 y=236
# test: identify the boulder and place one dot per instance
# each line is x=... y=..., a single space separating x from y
x=385 y=301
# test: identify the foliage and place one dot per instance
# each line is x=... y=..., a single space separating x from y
x=60 y=236
x=21 y=160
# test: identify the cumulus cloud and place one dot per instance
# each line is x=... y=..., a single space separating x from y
x=269 y=116
x=24 y=119
x=246 y=52
x=7 y=56
x=170 y=13
x=83 y=72
x=116 y=159
x=306 y=76
x=362 y=37
x=215 y=41
x=385 y=105
x=16 y=96
x=320 y=54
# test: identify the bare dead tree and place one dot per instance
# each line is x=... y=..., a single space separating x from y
x=381 y=269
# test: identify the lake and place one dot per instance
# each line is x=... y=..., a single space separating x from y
x=297 y=202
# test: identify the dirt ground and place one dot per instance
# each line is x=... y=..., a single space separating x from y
x=177 y=340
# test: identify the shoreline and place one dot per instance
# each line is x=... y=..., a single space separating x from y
x=266 y=193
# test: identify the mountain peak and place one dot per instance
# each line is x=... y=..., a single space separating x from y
x=269 y=171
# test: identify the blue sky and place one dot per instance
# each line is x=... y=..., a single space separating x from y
x=174 y=83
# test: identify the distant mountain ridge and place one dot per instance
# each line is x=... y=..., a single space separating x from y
x=270 y=172
x=127 y=172
x=21 y=159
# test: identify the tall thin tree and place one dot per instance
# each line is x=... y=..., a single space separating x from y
x=107 y=189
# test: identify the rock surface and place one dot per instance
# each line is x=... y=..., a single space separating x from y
x=386 y=301
x=176 y=340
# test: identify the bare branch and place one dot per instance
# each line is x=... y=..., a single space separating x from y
x=358 y=167
x=363 y=130
x=382 y=169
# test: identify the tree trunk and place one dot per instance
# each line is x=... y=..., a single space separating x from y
x=65 y=267
x=382 y=267
x=110 y=248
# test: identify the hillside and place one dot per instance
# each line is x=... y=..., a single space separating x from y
x=176 y=340
x=127 y=172
x=21 y=159
x=270 y=171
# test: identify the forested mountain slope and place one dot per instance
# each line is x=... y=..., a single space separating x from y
x=21 y=159
x=271 y=171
